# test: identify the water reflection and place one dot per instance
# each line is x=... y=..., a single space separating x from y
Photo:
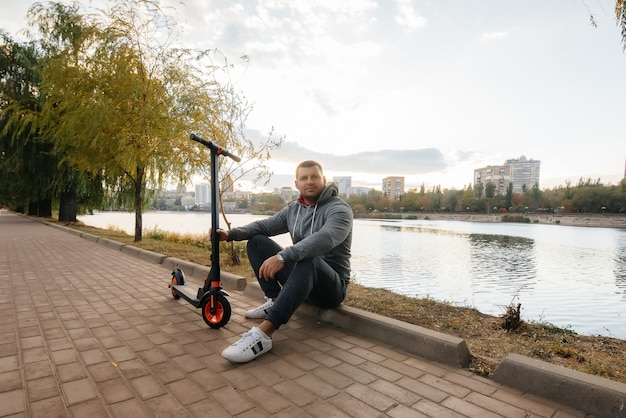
x=502 y=263
x=619 y=268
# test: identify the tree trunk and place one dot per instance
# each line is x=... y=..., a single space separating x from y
x=138 y=204
x=33 y=209
x=41 y=208
x=45 y=208
x=67 y=206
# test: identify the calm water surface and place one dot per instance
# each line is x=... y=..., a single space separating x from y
x=569 y=276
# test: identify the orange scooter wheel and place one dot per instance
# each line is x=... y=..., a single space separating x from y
x=222 y=311
x=175 y=294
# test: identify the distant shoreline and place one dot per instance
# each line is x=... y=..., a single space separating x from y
x=597 y=220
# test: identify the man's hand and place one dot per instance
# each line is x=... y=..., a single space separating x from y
x=223 y=235
x=270 y=267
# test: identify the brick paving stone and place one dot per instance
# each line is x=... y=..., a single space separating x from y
x=208 y=408
x=356 y=373
x=58 y=344
x=167 y=406
x=354 y=407
x=11 y=402
x=103 y=371
x=292 y=412
x=380 y=371
x=473 y=382
x=347 y=357
x=71 y=371
x=133 y=368
x=48 y=408
x=186 y=391
x=286 y=369
x=78 y=391
x=396 y=392
x=422 y=389
x=130 y=408
x=10 y=380
x=401 y=411
x=64 y=356
x=296 y=393
x=326 y=409
x=115 y=390
x=323 y=358
x=445 y=385
x=38 y=369
x=316 y=385
x=402 y=368
x=43 y=388
x=91 y=409
x=499 y=407
x=333 y=377
x=231 y=400
x=268 y=399
x=8 y=349
x=467 y=408
x=148 y=387
x=208 y=380
x=434 y=410
x=93 y=356
x=370 y=396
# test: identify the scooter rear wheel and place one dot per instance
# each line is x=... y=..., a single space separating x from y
x=222 y=311
x=175 y=294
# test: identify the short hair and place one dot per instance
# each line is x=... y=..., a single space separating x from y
x=307 y=164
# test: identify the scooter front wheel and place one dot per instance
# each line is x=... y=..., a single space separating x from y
x=221 y=313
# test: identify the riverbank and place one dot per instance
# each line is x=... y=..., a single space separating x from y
x=598 y=220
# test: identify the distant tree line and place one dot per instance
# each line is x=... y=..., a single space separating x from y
x=588 y=196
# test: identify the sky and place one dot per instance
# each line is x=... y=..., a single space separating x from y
x=428 y=90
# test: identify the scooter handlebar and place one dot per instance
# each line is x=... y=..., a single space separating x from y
x=212 y=146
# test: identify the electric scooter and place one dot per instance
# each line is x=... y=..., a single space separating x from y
x=210 y=298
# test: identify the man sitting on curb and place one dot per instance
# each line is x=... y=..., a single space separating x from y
x=316 y=268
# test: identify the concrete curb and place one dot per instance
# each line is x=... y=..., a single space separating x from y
x=592 y=394
x=146 y=255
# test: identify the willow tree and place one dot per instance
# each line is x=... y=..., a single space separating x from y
x=620 y=17
x=121 y=99
x=27 y=163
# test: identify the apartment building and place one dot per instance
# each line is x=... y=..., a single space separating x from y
x=522 y=172
x=393 y=187
x=344 y=184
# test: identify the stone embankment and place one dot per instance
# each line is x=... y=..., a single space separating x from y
x=598 y=220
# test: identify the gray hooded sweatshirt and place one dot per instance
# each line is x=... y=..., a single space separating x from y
x=323 y=229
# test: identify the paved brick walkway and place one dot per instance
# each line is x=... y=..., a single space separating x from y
x=88 y=331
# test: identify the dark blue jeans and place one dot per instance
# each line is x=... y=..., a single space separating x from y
x=311 y=280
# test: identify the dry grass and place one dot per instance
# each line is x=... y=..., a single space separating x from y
x=489 y=338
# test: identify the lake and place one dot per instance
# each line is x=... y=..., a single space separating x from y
x=572 y=277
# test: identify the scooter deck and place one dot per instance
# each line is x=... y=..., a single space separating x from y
x=190 y=294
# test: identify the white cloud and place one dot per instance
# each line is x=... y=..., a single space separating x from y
x=407 y=17
x=491 y=36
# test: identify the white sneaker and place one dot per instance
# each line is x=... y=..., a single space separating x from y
x=262 y=311
x=252 y=344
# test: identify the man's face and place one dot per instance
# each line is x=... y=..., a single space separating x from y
x=310 y=182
